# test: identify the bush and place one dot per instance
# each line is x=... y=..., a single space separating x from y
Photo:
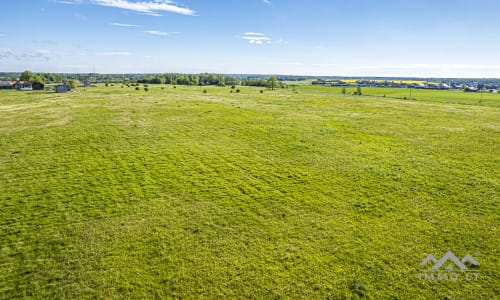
x=237 y=91
x=357 y=287
x=204 y=91
x=145 y=89
x=262 y=91
x=137 y=88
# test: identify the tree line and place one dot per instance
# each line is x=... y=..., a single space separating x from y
x=202 y=79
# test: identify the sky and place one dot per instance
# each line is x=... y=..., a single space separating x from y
x=398 y=38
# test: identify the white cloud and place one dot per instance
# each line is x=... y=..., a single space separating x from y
x=123 y=25
x=113 y=53
x=156 y=32
x=68 y=1
x=266 y=1
x=8 y=54
x=147 y=7
x=257 y=38
x=254 y=34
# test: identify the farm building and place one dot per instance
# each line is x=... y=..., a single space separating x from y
x=37 y=86
x=23 y=85
x=6 y=85
x=62 y=88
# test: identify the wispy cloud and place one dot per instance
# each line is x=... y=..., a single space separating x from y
x=123 y=25
x=2 y=35
x=254 y=34
x=68 y=1
x=156 y=32
x=266 y=1
x=257 y=38
x=80 y=17
x=24 y=56
x=147 y=7
x=113 y=53
x=45 y=42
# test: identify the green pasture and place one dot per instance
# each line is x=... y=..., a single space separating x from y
x=304 y=193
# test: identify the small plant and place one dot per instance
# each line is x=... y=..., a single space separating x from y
x=358 y=288
x=204 y=91
x=145 y=89
x=137 y=88
x=358 y=91
x=237 y=91
x=344 y=91
x=175 y=86
x=233 y=87
x=262 y=91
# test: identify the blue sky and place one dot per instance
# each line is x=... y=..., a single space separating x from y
x=440 y=38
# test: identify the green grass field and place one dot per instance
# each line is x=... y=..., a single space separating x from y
x=113 y=193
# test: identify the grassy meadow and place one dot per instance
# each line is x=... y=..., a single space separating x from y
x=173 y=193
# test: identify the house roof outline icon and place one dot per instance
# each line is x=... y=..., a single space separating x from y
x=449 y=257
x=429 y=258
x=469 y=258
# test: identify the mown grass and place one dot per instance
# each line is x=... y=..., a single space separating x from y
x=440 y=96
x=113 y=193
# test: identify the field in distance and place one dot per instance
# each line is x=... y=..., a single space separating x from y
x=200 y=192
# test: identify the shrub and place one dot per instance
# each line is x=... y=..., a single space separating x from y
x=137 y=88
x=237 y=91
x=357 y=287
x=204 y=91
x=145 y=89
x=261 y=91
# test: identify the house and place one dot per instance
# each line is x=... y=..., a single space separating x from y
x=6 y=85
x=38 y=86
x=23 y=85
x=62 y=88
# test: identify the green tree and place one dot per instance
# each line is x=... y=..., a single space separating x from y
x=272 y=82
x=26 y=76
x=37 y=79
x=72 y=84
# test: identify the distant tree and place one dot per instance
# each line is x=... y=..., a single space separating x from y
x=26 y=76
x=37 y=79
x=72 y=84
x=272 y=82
